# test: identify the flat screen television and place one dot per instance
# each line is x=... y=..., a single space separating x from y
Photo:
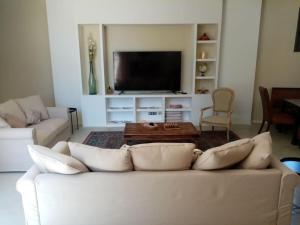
x=138 y=71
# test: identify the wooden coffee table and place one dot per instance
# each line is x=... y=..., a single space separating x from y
x=186 y=132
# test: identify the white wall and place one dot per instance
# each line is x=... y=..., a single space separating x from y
x=241 y=21
x=239 y=46
x=277 y=63
x=25 y=67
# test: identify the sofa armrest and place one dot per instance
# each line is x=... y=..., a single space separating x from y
x=289 y=180
x=58 y=112
x=18 y=133
x=26 y=187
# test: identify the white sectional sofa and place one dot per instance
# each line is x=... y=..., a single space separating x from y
x=188 y=197
x=13 y=141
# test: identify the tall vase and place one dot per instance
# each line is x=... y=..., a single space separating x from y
x=92 y=81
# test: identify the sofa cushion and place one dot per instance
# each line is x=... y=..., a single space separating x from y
x=46 y=130
x=162 y=156
x=32 y=116
x=100 y=159
x=12 y=108
x=54 y=162
x=260 y=157
x=33 y=103
x=14 y=121
x=224 y=156
x=3 y=123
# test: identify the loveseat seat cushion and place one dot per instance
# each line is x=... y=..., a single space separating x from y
x=162 y=156
x=47 y=130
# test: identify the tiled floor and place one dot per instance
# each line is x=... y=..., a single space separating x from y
x=11 y=212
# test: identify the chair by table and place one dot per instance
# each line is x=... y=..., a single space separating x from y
x=271 y=117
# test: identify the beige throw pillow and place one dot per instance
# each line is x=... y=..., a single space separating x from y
x=260 y=157
x=33 y=103
x=32 y=116
x=12 y=108
x=162 y=156
x=224 y=156
x=3 y=123
x=100 y=159
x=14 y=121
x=54 y=162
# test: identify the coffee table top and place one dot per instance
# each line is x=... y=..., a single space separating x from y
x=136 y=130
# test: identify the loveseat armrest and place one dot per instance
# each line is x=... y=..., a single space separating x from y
x=18 y=133
x=58 y=112
x=26 y=187
x=289 y=180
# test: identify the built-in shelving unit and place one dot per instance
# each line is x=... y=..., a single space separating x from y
x=206 y=56
x=112 y=110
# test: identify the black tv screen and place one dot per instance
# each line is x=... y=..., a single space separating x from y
x=147 y=70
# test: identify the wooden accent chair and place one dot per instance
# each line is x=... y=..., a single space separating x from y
x=277 y=118
x=222 y=109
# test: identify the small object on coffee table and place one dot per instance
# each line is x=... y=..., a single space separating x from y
x=150 y=125
x=169 y=126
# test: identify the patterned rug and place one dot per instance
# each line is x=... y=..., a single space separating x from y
x=114 y=139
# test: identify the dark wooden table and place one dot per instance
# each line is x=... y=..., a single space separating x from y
x=295 y=104
x=139 y=132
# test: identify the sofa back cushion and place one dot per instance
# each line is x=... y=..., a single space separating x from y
x=260 y=157
x=100 y=159
x=224 y=156
x=49 y=161
x=162 y=156
x=33 y=103
x=11 y=107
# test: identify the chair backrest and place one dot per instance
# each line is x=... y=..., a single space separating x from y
x=266 y=104
x=223 y=99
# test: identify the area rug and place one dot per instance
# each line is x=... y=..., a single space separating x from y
x=114 y=139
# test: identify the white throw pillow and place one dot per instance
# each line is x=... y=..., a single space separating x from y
x=33 y=103
x=54 y=162
x=11 y=107
x=3 y=123
x=260 y=157
x=100 y=159
x=162 y=156
x=224 y=156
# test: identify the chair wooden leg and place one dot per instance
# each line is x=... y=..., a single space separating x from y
x=261 y=126
x=269 y=125
x=228 y=134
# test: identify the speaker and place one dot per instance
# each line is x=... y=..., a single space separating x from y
x=297 y=40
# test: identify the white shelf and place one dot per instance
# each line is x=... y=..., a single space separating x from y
x=207 y=42
x=119 y=110
x=178 y=110
x=207 y=60
x=150 y=110
x=205 y=78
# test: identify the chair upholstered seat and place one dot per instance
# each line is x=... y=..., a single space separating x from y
x=216 y=119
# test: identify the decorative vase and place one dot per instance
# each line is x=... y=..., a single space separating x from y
x=92 y=81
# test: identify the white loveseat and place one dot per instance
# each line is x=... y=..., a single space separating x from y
x=13 y=141
x=190 y=197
